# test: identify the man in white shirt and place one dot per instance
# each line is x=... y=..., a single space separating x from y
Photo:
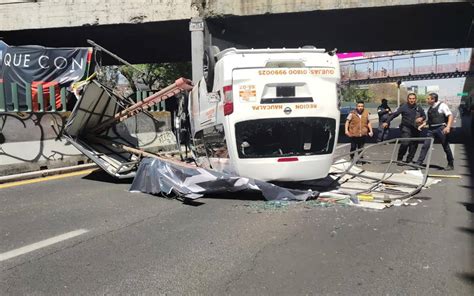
x=440 y=121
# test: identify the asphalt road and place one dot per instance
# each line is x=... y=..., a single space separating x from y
x=133 y=243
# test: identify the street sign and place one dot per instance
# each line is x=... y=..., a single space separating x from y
x=463 y=94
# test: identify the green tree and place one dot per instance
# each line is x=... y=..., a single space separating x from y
x=354 y=94
x=421 y=99
x=387 y=91
x=108 y=75
x=155 y=76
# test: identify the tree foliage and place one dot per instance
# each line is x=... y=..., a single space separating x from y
x=376 y=92
x=388 y=91
x=155 y=76
x=108 y=75
x=354 y=94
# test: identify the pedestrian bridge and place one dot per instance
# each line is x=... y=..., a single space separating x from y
x=418 y=65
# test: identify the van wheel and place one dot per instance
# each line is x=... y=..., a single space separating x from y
x=209 y=63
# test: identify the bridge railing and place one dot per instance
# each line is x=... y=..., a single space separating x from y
x=49 y=99
x=353 y=73
x=435 y=62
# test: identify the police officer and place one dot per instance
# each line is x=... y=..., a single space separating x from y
x=412 y=117
x=440 y=120
x=384 y=112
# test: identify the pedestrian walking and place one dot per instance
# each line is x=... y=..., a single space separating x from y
x=384 y=112
x=440 y=121
x=412 y=117
x=358 y=127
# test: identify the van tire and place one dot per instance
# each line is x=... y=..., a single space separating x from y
x=209 y=62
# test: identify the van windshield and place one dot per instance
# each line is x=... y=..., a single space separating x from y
x=280 y=137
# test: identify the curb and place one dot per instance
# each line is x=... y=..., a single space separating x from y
x=45 y=173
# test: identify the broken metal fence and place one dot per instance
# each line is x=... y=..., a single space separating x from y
x=381 y=182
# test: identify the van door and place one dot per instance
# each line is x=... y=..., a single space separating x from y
x=202 y=107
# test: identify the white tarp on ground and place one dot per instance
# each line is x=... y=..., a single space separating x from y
x=158 y=177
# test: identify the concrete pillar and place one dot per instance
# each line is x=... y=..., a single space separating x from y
x=196 y=26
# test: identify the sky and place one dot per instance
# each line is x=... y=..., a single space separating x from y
x=447 y=87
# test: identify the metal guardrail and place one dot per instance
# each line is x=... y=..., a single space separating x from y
x=41 y=101
x=50 y=100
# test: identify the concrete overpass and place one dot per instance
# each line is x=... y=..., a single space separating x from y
x=156 y=31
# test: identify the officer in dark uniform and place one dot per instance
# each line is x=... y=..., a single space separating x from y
x=412 y=117
x=384 y=112
x=440 y=120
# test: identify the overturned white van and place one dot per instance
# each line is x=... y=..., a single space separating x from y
x=272 y=114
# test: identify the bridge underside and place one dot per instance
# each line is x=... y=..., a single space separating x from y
x=364 y=29
x=374 y=29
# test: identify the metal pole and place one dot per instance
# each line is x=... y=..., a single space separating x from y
x=196 y=26
x=398 y=93
x=114 y=56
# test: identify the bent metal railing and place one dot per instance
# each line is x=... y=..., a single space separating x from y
x=388 y=172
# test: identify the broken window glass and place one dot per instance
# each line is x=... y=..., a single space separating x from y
x=282 y=137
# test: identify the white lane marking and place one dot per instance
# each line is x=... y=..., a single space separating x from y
x=452 y=146
x=41 y=244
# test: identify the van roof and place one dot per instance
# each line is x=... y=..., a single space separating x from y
x=233 y=50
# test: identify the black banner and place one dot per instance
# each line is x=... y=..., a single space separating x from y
x=3 y=48
x=37 y=65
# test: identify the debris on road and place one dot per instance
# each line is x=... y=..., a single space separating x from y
x=272 y=205
x=375 y=187
x=157 y=176
x=105 y=127
x=445 y=176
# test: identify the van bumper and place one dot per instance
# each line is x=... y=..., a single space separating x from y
x=270 y=169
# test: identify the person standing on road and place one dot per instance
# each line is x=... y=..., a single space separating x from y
x=357 y=127
x=440 y=121
x=412 y=117
x=384 y=112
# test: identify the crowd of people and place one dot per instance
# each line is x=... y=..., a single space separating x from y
x=437 y=122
